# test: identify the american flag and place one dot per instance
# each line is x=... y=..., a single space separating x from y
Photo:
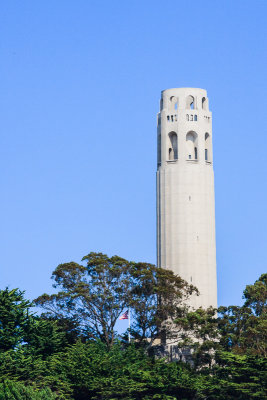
x=124 y=315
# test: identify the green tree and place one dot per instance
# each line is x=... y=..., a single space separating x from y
x=42 y=364
x=96 y=372
x=34 y=371
x=17 y=391
x=19 y=326
x=230 y=350
x=158 y=297
x=95 y=295
x=14 y=318
x=44 y=337
x=243 y=330
x=256 y=296
x=200 y=333
x=234 y=377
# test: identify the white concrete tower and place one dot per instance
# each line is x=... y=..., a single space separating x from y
x=185 y=191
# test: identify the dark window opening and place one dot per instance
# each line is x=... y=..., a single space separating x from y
x=173 y=150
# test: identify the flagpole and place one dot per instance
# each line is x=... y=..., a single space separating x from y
x=129 y=320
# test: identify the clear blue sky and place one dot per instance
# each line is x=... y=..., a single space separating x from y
x=80 y=88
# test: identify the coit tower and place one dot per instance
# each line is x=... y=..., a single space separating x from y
x=185 y=191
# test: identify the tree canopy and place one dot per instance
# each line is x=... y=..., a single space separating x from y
x=93 y=296
x=14 y=318
x=73 y=352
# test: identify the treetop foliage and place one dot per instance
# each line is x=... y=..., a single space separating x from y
x=95 y=295
x=73 y=352
x=13 y=318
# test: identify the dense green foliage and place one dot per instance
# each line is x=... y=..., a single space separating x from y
x=13 y=318
x=74 y=352
x=244 y=329
x=12 y=390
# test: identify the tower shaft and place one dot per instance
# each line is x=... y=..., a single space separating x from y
x=185 y=192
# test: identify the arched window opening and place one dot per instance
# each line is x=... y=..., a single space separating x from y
x=173 y=103
x=173 y=149
x=204 y=103
x=190 y=102
x=168 y=117
x=195 y=117
x=207 y=147
x=187 y=117
x=191 y=117
x=192 y=145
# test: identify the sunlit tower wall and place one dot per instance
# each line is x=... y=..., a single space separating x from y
x=185 y=191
